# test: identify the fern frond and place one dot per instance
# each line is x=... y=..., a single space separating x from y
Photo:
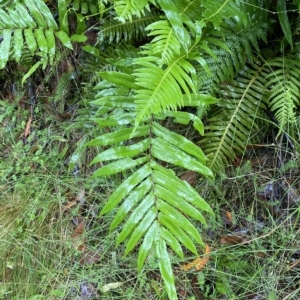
x=233 y=119
x=115 y=31
x=240 y=39
x=162 y=89
x=127 y=9
x=283 y=82
x=165 y=44
x=32 y=26
x=154 y=205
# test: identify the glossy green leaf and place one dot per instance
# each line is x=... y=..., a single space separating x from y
x=18 y=20
x=179 y=141
x=41 y=40
x=30 y=40
x=125 y=188
x=63 y=16
x=30 y=23
x=50 y=44
x=119 y=166
x=176 y=201
x=171 y=241
x=135 y=196
x=119 y=136
x=165 y=268
x=147 y=244
x=161 y=89
x=120 y=79
x=179 y=219
x=64 y=38
x=5 y=47
x=6 y=19
x=31 y=71
x=115 y=120
x=164 y=151
x=284 y=21
x=165 y=44
x=46 y=13
x=122 y=151
x=184 y=118
x=140 y=230
x=181 y=189
x=36 y=14
x=135 y=217
x=198 y=100
x=78 y=38
x=175 y=18
x=178 y=232
x=18 y=44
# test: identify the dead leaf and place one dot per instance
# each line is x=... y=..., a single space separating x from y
x=229 y=216
x=27 y=128
x=79 y=199
x=90 y=257
x=69 y=205
x=190 y=177
x=233 y=239
x=199 y=263
x=77 y=237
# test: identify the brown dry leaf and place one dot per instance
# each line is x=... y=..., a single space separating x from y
x=233 y=239
x=199 y=263
x=79 y=199
x=69 y=205
x=229 y=216
x=80 y=196
x=27 y=128
x=90 y=257
x=190 y=177
x=77 y=237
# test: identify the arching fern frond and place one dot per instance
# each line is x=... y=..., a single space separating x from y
x=165 y=43
x=162 y=89
x=240 y=38
x=233 y=119
x=115 y=31
x=283 y=83
x=30 y=25
x=127 y=9
x=154 y=205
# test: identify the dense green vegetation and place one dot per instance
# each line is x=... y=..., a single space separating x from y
x=167 y=127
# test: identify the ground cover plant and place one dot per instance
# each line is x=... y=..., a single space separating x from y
x=167 y=128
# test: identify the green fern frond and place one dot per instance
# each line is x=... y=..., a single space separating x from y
x=162 y=89
x=154 y=205
x=283 y=83
x=115 y=31
x=226 y=64
x=127 y=9
x=165 y=44
x=231 y=122
x=85 y=7
x=30 y=25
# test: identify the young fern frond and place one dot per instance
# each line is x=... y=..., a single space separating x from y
x=162 y=89
x=165 y=44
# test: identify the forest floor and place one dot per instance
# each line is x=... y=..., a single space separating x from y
x=55 y=246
